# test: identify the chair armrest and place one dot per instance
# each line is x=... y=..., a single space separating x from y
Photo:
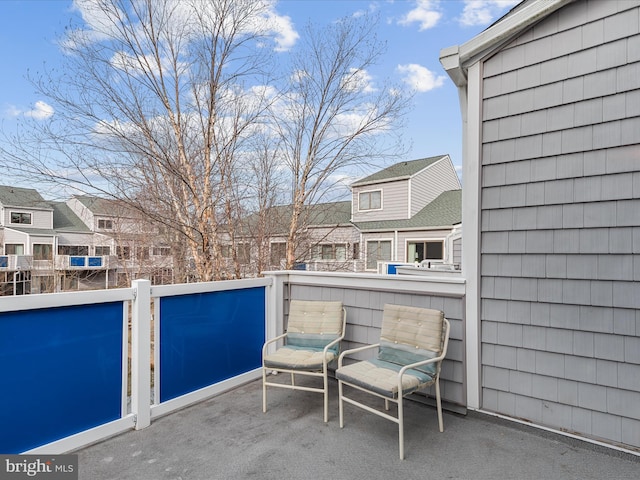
x=420 y=364
x=269 y=342
x=355 y=350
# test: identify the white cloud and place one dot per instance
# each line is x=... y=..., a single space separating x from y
x=285 y=34
x=483 y=12
x=358 y=81
x=40 y=111
x=420 y=78
x=426 y=13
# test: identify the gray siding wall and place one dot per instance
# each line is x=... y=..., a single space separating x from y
x=395 y=202
x=39 y=218
x=560 y=226
x=364 y=320
x=431 y=182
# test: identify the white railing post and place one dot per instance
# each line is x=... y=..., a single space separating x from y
x=141 y=353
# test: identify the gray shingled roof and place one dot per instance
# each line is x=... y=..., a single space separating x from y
x=445 y=210
x=399 y=171
x=323 y=214
x=97 y=205
x=21 y=197
x=65 y=220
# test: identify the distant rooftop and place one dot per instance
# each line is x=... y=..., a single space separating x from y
x=399 y=171
x=21 y=197
x=65 y=220
x=102 y=206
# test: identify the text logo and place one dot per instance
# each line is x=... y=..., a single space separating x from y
x=50 y=467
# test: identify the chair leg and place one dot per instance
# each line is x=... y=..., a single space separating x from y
x=326 y=397
x=340 y=404
x=264 y=390
x=386 y=404
x=293 y=382
x=439 y=405
x=401 y=427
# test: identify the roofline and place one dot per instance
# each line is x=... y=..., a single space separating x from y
x=23 y=207
x=407 y=229
x=396 y=179
x=457 y=59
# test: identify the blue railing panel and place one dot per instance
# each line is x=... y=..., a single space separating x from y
x=4 y=262
x=61 y=372
x=95 y=261
x=209 y=337
x=76 y=261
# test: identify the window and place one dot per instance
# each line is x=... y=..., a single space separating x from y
x=370 y=200
x=142 y=253
x=356 y=251
x=42 y=251
x=21 y=218
x=244 y=253
x=427 y=250
x=14 y=249
x=102 y=251
x=82 y=250
x=378 y=251
x=105 y=224
x=225 y=251
x=123 y=253
x=278 y=252
x=162 y=251
x=336 y=251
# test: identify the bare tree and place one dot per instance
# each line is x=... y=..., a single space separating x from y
x=153 y=107
x=332 y=117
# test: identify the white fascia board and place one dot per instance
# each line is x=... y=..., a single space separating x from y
x=457 y=59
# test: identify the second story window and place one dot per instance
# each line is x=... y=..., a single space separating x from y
x=102 y=250
x=370 y=200
x=42 y=251
x=20 y=218
x=81 y=250
x=105 y=224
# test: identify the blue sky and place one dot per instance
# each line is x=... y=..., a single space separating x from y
x=415 y=32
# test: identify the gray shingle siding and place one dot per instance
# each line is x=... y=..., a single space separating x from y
x=560 y=223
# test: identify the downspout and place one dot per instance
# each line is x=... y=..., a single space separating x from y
x=468 y=82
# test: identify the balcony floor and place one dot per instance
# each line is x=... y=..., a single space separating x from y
x=228 y=437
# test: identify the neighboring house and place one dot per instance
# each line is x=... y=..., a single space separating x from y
x=328 y=241
x=128 y=236
x=550 y=97
x=405 y=213
x=47 y=247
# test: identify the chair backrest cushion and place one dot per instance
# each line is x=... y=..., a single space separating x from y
x=313 y=323
x=411 y=334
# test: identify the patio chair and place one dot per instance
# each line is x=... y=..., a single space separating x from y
x=311 y=343
x=413 y=343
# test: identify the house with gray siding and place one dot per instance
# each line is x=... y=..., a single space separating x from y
x=405 y=213
x=48 y=246
x=550 y=99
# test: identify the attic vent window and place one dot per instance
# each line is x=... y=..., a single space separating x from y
x=20 y=218
x=370 y=200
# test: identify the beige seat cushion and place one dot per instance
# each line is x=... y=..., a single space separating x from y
x=297 y=358
x=382 y=377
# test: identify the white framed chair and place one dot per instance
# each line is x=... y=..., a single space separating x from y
x=413 y=343
x=312 y=341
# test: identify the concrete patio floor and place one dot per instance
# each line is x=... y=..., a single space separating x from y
x=228 y=437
